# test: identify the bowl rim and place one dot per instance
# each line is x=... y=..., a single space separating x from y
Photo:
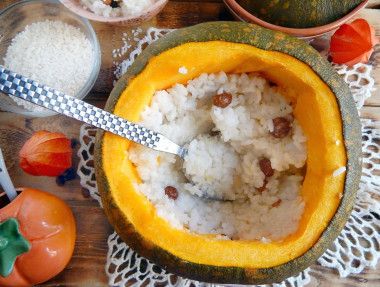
x=74 y=5
x=86 y=88
x=245 y=16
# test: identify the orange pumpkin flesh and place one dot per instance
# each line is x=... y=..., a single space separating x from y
x=316 y=110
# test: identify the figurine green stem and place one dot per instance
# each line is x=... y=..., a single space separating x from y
x=12 y=244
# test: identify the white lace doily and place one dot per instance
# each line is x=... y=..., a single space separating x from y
x=356 y=247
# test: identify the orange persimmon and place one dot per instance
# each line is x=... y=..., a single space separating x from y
x=353 y=43
x=48 y=224
x=46 y=153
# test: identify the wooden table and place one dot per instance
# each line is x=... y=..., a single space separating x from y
x=87 y=266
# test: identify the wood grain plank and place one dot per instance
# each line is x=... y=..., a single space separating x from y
x=181 y=14
x=322 y=276
x=370 y=112
x=374 y=4
x=87 y=266
x=373 y=16
x=19 y=129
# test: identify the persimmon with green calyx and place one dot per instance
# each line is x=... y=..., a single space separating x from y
x=37 y=238
x=46 y=153
x=323 y=106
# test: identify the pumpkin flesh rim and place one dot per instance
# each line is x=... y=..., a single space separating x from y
x=253 y=254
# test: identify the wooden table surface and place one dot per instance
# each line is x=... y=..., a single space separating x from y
x=87 y=266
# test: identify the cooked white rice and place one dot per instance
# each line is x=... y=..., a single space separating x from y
x=225 y=164
x=125 y=7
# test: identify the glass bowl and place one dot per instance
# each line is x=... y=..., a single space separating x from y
x=13 y=20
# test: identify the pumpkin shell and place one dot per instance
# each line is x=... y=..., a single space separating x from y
x=299 y=14
x=242 y=33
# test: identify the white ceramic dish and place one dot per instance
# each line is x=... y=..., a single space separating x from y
x=77 y=7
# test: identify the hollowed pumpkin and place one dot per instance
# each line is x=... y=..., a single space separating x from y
x=324 y=107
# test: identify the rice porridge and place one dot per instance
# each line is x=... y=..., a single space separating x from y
x=244 y=146
x=117 y=8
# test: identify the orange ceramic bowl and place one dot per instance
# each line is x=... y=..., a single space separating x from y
x=77 y=7
x=239 y=13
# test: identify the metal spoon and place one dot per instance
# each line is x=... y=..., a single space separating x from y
x=32 y=91
x=5 y=180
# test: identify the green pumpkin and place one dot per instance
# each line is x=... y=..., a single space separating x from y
x=323 y=106
x=299 y=14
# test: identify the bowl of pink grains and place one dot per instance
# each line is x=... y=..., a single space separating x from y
x=116 y=12
x=45 y=41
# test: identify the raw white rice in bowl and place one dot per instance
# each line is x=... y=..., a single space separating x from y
x=250 y=153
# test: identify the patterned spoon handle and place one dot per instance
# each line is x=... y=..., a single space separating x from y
x=27 y=89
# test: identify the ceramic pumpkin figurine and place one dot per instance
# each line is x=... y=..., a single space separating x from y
x=37 y=237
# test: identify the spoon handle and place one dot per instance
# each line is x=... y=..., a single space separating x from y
x=32 y=91
x=5 y=180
